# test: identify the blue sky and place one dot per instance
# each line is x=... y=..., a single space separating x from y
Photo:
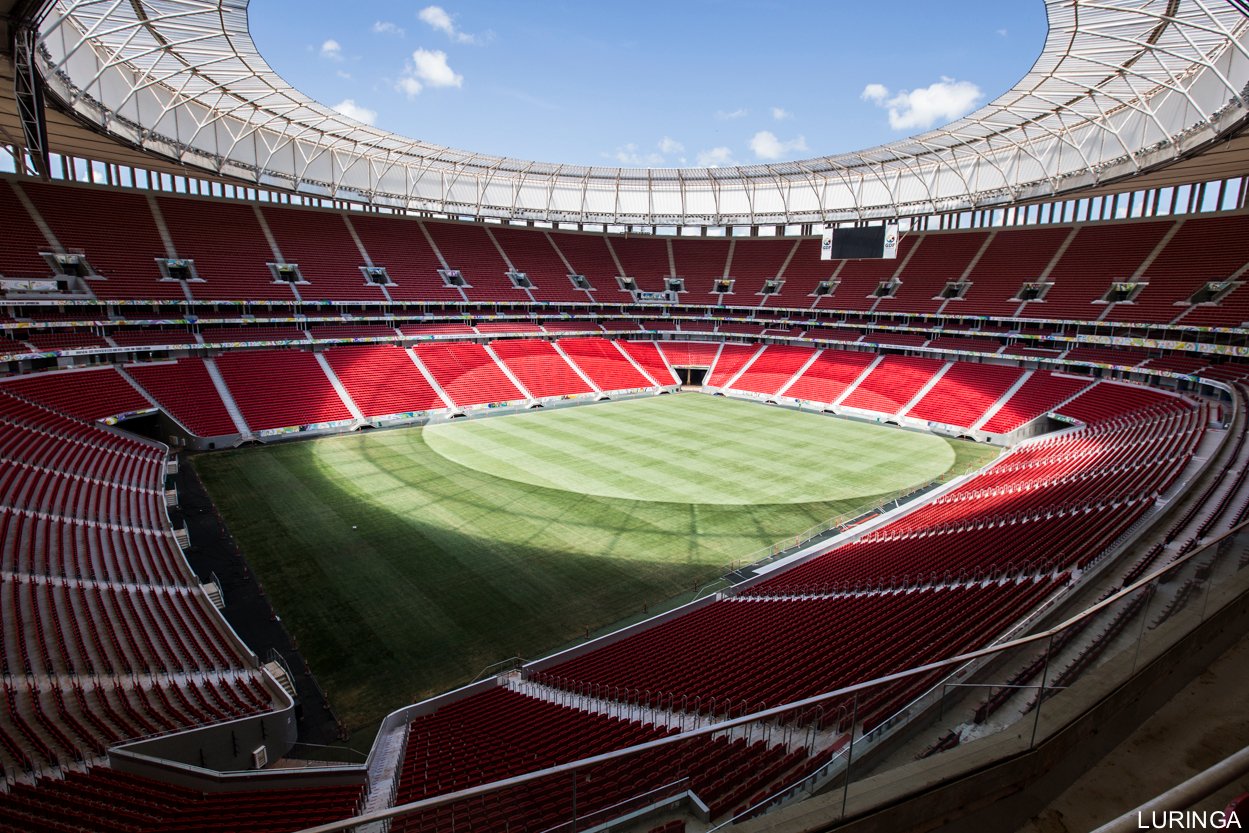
x=666 y=84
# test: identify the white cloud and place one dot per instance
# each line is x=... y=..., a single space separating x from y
x=875 y=92
x=351 y=110
x=408 y=85
x=780 y=114
x=437 y=18
x=716 y=157
x=944 y=101
x=386 y=27
x=630 y=156
x=728 y=115
x=343 y=74
x=766 y=146
x=428 y=68
x=332 y=50
x=670 y=145
x=1002 y=32
x=432 y=69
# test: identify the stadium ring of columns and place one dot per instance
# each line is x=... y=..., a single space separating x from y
x=1119 y=88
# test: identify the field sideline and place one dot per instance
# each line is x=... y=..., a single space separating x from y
x=406 y=561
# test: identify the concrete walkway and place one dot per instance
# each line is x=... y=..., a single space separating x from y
x=1204 y=723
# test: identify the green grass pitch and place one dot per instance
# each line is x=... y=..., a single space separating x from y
x=406 y=561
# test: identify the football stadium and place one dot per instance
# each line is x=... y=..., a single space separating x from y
x=353 y=482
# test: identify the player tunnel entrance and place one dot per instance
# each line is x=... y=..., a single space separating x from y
x=692 y=376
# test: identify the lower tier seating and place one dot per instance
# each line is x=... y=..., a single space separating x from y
x=382 y=379
x=599 y=359
x=105 y=800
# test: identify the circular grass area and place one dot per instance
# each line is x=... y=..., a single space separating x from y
x=692 y=448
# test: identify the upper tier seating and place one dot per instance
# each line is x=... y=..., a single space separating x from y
x=234 y=272
x=468 y=247
x=859 y=279
x=89 y=219
x=535 y=256
x=401 y=247
x=701 y=263
x=645 y=259
x=382 y=379
x=19 y=256
x=590 y=256
x=995 y=263
x=1208 y=249
x=1097 y=256
x=281 y=389
x=939 y=259
x=327 y=256
x=1012 y=257
x=797 y=263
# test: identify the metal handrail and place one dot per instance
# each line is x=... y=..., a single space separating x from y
x=764 y=714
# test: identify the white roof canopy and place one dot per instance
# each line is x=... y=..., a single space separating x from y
x=1120 y=86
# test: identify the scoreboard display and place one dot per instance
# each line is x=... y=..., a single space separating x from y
x=860 y=243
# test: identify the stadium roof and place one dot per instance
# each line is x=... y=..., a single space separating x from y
x=1121 y=88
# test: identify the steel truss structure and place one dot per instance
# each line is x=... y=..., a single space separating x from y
x=1121 y=87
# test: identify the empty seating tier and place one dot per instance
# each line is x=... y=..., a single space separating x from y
x=186 y=392
x=540 y=367
x=382 y=379
x=106 y=800
x=731 y=359
x=86 y=394
x=893 y=383
x=829 y=375
x=599 y=359
x=647 y=356
x=1041 y=393
x=963 y=394
x=773 y=368
x=468 y=374
x=281 y=389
